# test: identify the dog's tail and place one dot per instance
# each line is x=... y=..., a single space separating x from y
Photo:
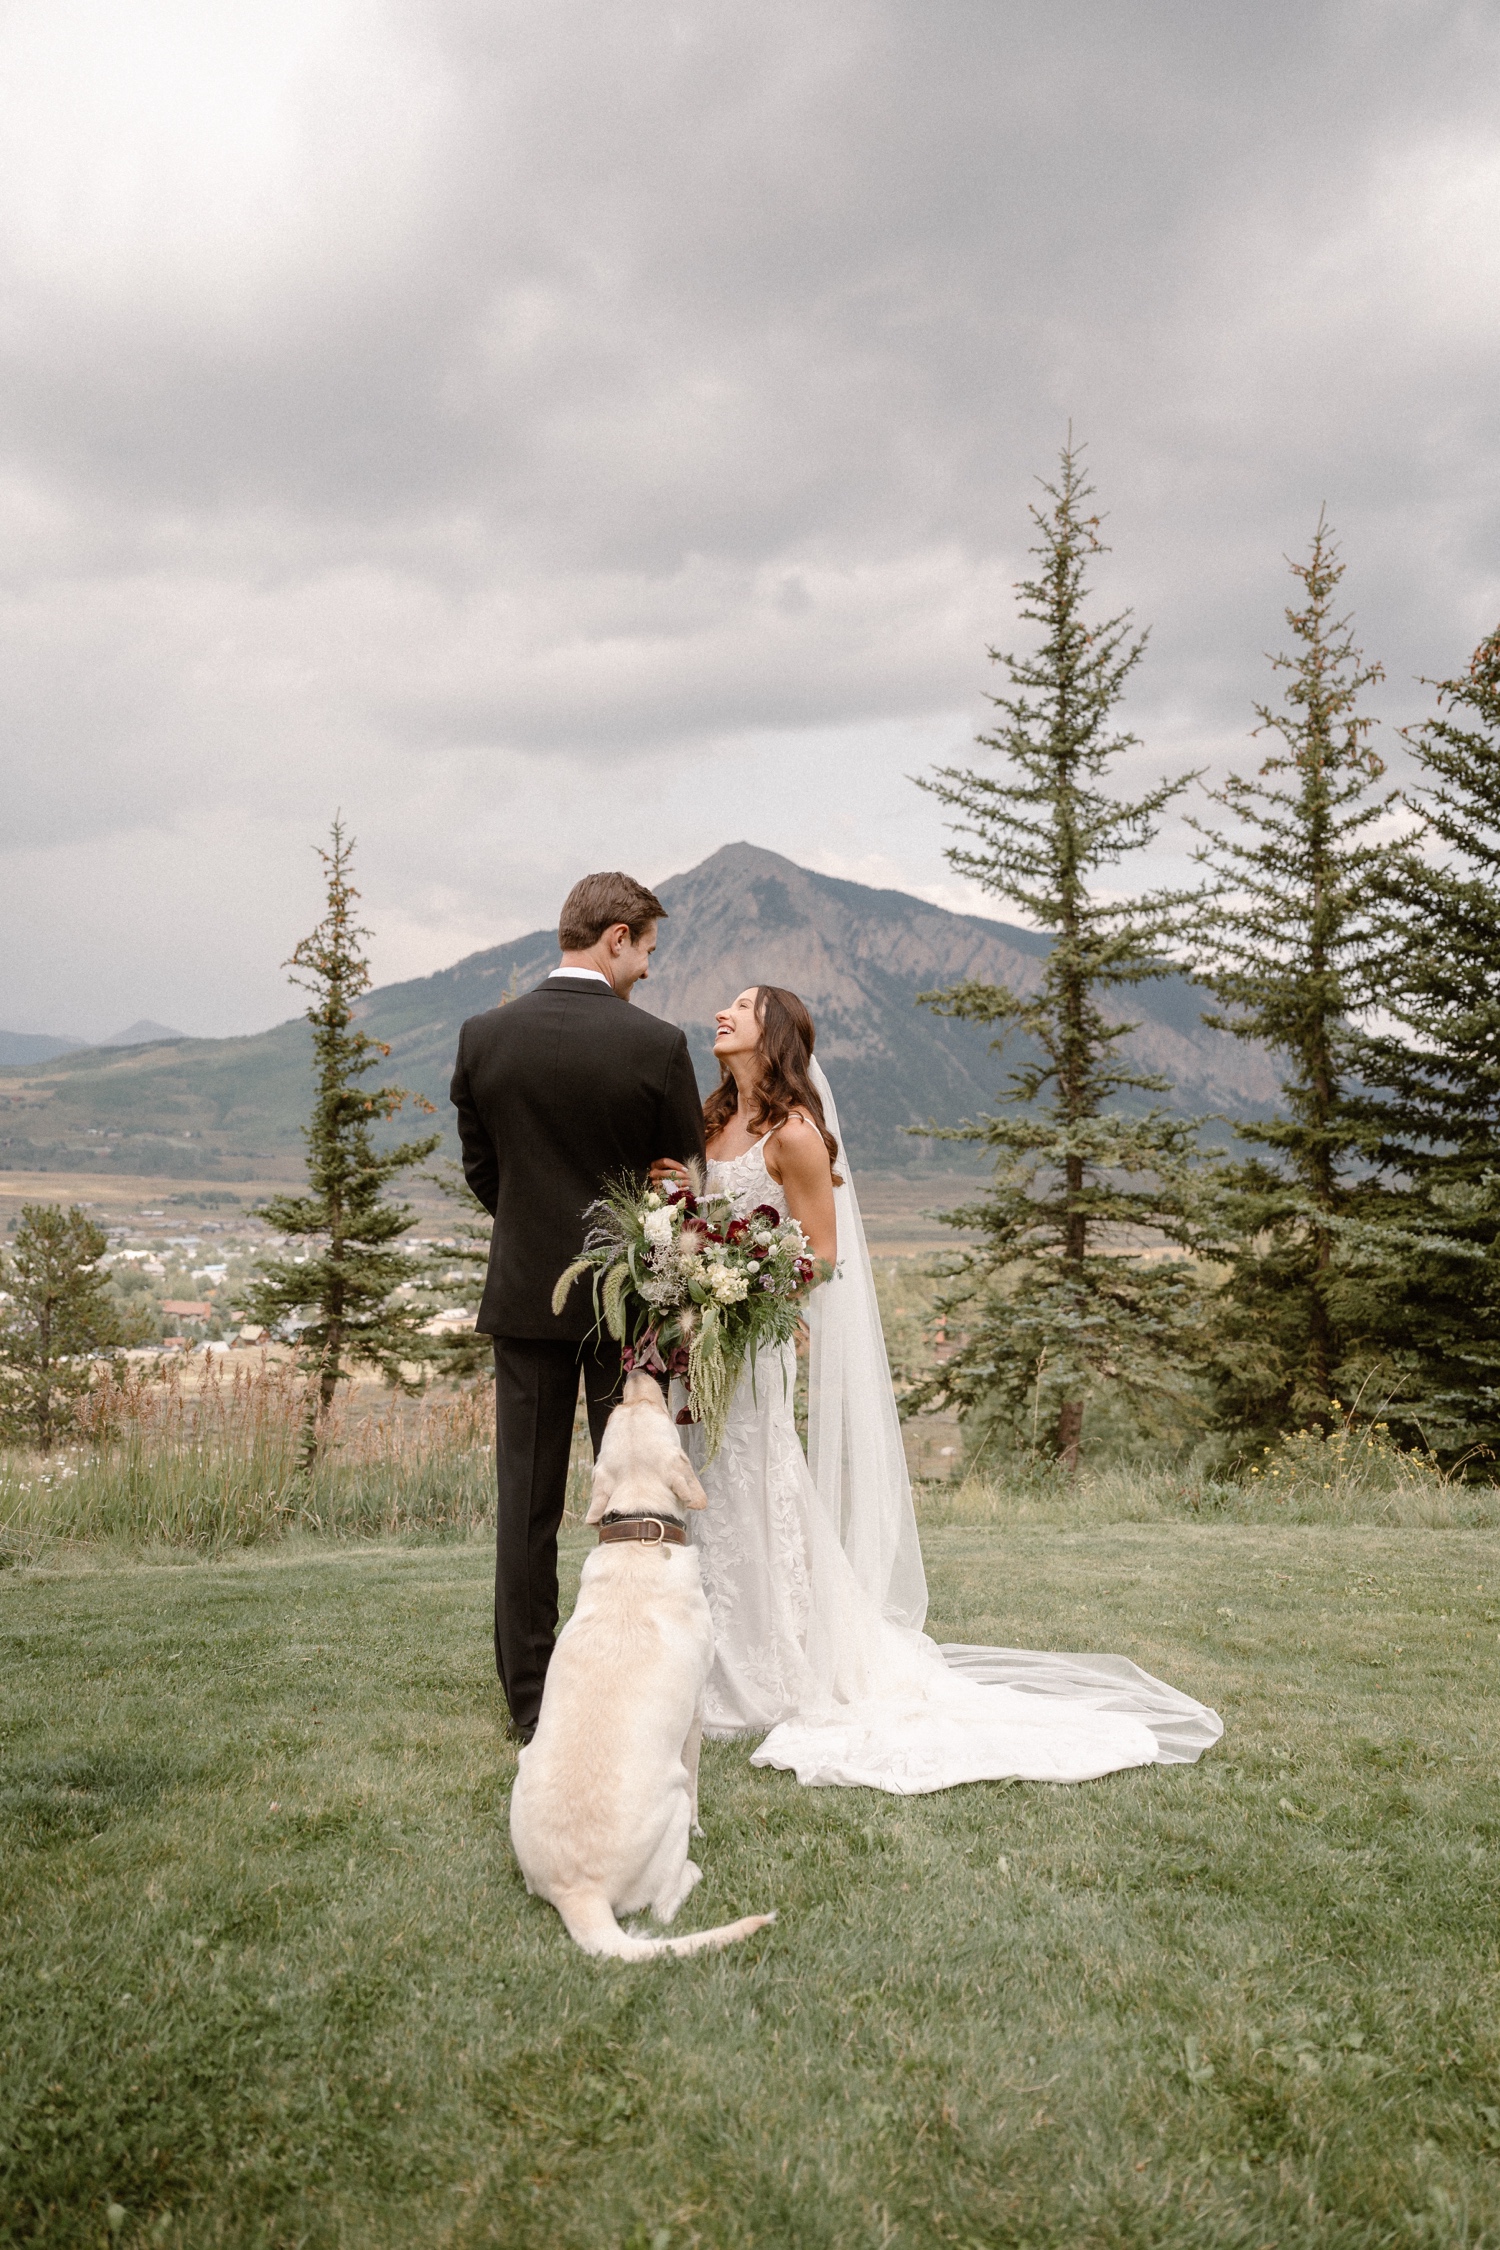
x=590 y=1922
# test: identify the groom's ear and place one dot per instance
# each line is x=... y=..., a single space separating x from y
x=604 y=1485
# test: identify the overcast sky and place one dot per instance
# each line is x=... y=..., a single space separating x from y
x=585 y=434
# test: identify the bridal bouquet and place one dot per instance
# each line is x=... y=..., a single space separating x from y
x=691 y=1291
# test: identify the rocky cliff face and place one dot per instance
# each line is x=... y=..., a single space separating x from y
x=857 y=956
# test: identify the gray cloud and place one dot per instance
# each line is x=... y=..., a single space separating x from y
x=589 y=433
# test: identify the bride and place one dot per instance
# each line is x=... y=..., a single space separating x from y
x=811 y=1563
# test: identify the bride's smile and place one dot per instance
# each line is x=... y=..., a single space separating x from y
x=763 y=1045
x=737 y=1027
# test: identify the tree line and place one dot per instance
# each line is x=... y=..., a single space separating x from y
x=1343 y=1258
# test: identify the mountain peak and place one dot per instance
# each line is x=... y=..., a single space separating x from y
x=857 y=956
x=738 y=859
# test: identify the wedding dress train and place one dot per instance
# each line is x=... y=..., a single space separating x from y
x=813 y=1572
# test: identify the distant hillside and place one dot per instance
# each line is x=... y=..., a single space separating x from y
x=858 y=956
x=34 y=1046
x=142 y=1033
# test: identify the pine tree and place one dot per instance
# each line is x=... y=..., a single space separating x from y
x=1447 y=922
x=1438 y=1069
x=1287 y=941
x=353 y=1271
x=1050 y=1305
x=57 y=1317
x=459 y=1354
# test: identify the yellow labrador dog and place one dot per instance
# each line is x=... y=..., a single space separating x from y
x=606 y=1793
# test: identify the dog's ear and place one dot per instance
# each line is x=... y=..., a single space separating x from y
x=684 y=1484
x=604 y=1485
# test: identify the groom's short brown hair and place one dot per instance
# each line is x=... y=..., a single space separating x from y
x=597 y=902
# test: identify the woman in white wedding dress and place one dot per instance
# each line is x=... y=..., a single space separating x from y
x=811 y=1563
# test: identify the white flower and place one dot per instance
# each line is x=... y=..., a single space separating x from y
x=657 y=1227
x=729 y=1287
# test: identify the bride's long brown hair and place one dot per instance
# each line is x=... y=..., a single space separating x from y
x=786 y=1045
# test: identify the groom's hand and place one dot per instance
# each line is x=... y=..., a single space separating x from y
x=667 y=1172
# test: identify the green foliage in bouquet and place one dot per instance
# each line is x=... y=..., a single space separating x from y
x=687 y=1289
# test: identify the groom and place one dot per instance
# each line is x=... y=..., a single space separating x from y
x=565 y=1088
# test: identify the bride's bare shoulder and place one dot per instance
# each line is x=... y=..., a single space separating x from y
x=798 y=1143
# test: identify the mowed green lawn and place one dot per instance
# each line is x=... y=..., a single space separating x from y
x=269 y=1974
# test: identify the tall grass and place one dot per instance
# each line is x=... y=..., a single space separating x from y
x=1356 y=1474
x=207 y=1458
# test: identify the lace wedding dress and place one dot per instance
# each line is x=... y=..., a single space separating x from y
x=813 y=1573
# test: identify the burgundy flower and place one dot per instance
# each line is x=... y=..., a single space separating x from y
x=767 y=1211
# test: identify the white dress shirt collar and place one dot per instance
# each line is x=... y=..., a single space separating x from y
x=598 y=973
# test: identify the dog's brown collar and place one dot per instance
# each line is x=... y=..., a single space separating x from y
x=651 y=1531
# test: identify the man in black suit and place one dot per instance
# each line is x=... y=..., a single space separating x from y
x=565 y=1088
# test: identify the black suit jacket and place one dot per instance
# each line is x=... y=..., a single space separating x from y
x=565 y=1088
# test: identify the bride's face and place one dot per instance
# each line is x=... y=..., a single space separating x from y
x=738 y=1030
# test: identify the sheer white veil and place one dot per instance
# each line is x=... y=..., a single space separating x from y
x=854 y=1444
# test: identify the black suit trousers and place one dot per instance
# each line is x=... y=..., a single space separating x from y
x=536 y=1394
